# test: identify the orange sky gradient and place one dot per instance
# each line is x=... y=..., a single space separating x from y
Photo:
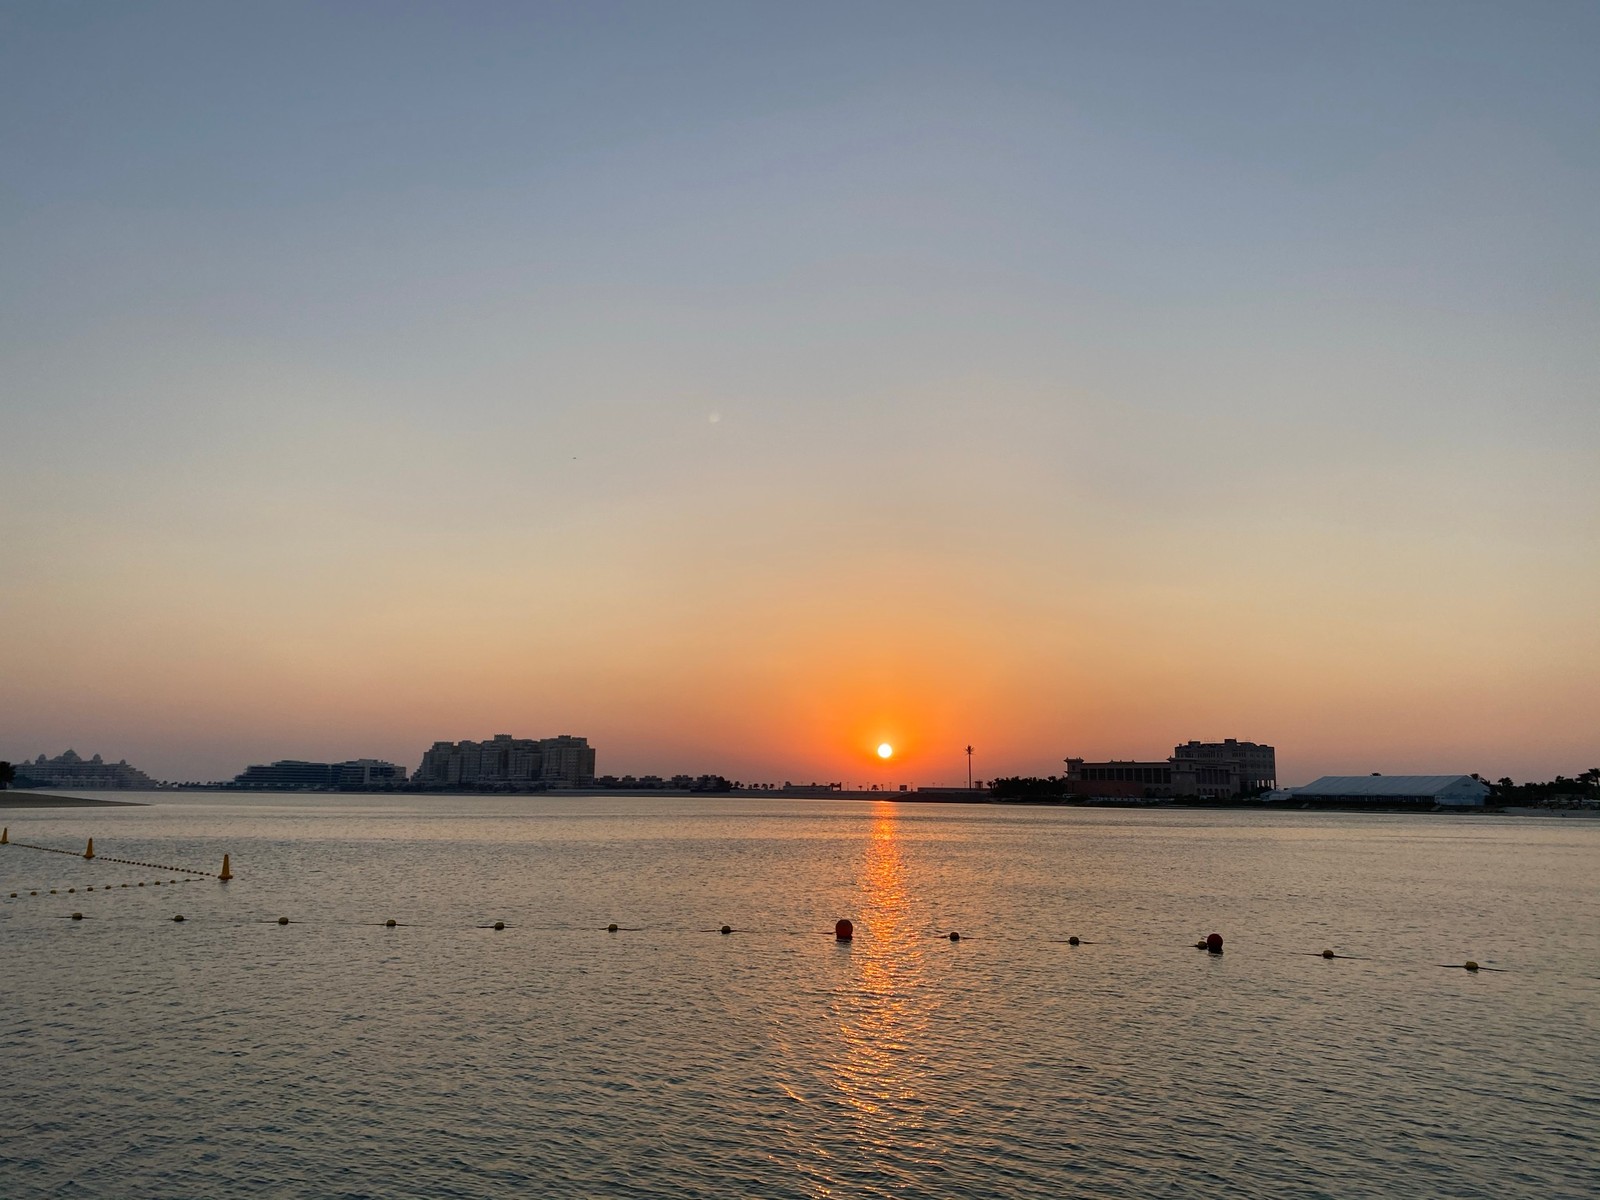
x=1051 y=379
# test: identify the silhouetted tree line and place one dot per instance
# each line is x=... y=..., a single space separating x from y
x=1028 y=787
x=1559 y=791
x=7 y=774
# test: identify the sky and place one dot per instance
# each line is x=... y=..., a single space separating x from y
x=744 y=385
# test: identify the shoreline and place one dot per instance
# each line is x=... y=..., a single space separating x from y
x=24 y=800
x=9 y=799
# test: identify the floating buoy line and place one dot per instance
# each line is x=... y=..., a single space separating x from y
x=20 y=894
x=1470 y=966
x=843 y=930
x=88 y=855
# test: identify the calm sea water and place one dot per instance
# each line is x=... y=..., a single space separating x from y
x=334 y=1057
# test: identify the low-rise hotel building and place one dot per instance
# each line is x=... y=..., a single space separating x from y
x=292 y=774
x=1203 y=770
x=1120 y=779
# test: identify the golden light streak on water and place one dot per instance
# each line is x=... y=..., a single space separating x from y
x=884 y=1017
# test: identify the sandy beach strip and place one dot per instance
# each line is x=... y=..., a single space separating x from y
x=41 y=800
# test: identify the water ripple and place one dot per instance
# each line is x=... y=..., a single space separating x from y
x=230 y=1056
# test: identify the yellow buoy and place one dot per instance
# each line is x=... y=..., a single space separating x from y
x=89 y=853
x=225 y=874
x=1470 y=965
x=5 y=836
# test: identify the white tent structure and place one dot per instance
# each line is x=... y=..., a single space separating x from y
x=1449 y=790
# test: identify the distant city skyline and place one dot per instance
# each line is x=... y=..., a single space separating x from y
x=749 y=385
x=1215 y=769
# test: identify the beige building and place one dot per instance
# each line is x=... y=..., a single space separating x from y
x=505 y=761
x=1230 y=763
x=1126 y=779
x=567 y=761
x=71 y=771
x=1208 y=770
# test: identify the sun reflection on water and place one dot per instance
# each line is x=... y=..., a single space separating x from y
x=879 y=1089
x=882 y=1020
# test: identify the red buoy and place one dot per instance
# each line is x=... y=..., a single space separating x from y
x=1214 y=943
x=843 y=930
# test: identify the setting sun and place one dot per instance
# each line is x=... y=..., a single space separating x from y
x=885 y=750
